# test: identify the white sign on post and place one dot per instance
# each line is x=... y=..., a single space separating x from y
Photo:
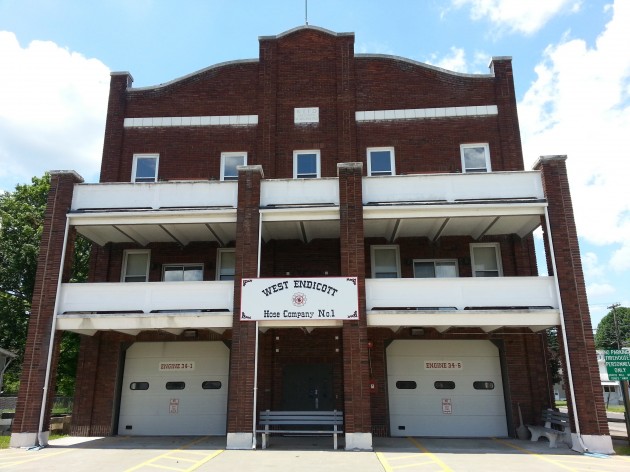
x=295 y=299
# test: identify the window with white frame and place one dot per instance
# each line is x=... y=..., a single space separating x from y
x=145 y=168
x=381 y=161
x=486 y=260
x=229 y=163
x=226 y=264
x=136 y=265
x=306 y=164
x=385 y=262
x=434 y=268
x=475 y=157
x=182 y=272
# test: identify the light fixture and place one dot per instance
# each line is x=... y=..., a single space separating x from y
x=417 y=331
x=190 y=333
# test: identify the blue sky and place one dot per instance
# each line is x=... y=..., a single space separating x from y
x=571 y=65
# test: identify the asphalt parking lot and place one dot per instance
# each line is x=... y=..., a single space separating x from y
x=304 y=454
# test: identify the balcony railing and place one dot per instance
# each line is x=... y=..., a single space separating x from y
x=453 y=187
x=165 y=195
x=460 y=293
x=146 y=297
x=299 y=192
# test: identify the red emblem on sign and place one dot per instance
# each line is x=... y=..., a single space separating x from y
x=299 y=299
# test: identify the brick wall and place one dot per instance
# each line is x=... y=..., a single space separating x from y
x=579 y=332
x=33 y=375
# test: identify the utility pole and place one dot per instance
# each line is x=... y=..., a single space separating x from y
x=622 y=383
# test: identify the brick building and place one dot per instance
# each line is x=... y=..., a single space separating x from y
x=314 y=230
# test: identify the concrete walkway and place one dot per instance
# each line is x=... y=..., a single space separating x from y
x=304 y=454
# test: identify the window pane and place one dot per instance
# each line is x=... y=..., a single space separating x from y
x=229 y=166
x=444 y=385
x=139 y=386
x=228 y=263
x=211 y=385
x=475 y=159
x=483 y=385
x=307 y=165
x=445 y=269
x=424 y=269
x=145 y=169
x=380 y=163
x=193 y=273
x=485 y=259
x=175 y=385
x=406 y=385
x=386 y=263
x=173 y=274
x=136 y=269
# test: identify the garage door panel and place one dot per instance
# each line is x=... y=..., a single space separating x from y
x=437 y=426
x=192 y=410
x=460 y=411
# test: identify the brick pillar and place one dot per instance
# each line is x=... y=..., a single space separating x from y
x=589 y=401
x=114 y=128
x=358 y=420
x=241 y=390
x=28 y=408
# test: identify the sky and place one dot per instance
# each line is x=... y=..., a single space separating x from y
x=571 y=62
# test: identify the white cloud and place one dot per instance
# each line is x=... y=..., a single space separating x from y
x=592 y=268
x=620 y=259
x=596 y=290
x=457 y=61
x=518 y=15
x=579 y=105
x=54 y=104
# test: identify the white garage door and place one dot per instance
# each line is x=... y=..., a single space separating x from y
x=445 y=389
x=175 y=388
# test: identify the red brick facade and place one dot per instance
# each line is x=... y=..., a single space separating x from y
x=312 y=68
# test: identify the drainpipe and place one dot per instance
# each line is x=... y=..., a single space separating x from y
x=53 y=327
x=256 y=343
x=564 y=333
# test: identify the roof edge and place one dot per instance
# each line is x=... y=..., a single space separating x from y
x=192 y=74
x=303 y=27
x=422 y=64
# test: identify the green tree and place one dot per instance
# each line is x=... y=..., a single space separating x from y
x=21 y=225
x=606 y=335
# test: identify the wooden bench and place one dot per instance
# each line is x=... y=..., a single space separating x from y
x=304 y=422
x=556 y=425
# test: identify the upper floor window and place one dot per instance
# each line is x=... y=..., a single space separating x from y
x=486 y=260
x=136 y=265
x=145 y=168
x=435 y=268
x=306 y=164
x=475 y=157
x=381 y=161
x=226 y=264
x=182 y=272
x=385 y=262
x=229 y=163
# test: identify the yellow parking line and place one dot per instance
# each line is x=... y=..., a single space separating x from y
x=435 y=458
x=33 y=459
x=158 y=466
x=167 y=455
x=536 y=455
x=381 y=458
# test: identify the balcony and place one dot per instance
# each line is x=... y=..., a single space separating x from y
x=177 y=212
x=439 y=205
x=154 y=196
x=486 y=303
x=133 y=307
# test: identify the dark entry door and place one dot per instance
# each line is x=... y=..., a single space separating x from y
x=307 y=387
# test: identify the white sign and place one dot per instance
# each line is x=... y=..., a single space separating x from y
x=176 y=366
x=173 y=406
x=296 y=299
x=447 y=406
x=443 y=365
x=306 y=115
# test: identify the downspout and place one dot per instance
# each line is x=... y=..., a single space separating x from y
x=256 y=338
x=53 y=327
x=564 y=334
